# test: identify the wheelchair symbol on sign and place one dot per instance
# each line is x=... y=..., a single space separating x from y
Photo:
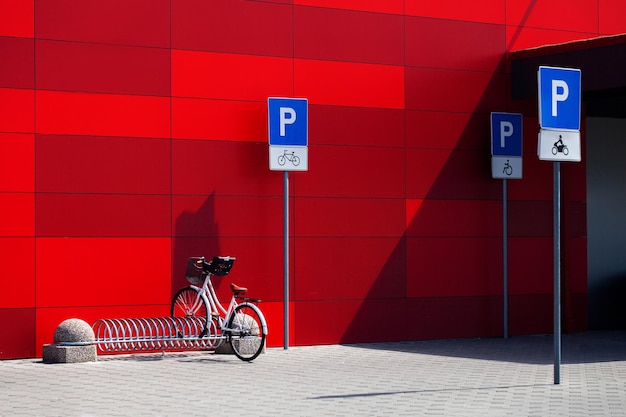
x=508 y=169
x=291 y=157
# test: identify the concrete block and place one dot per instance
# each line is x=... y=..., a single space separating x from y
x=73 y=343
x=55 y=353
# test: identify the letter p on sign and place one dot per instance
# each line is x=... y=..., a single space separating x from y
x=559 y=98
x=560 y=92
x=287 y=117
x=287 y=121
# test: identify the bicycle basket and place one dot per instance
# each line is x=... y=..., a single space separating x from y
x=221 y=266
x=195 y=270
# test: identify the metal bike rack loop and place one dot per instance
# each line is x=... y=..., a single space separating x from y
x=153 y=334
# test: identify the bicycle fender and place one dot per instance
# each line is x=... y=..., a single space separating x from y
x=261 y=316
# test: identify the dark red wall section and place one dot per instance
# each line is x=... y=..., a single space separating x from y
x=133 y=134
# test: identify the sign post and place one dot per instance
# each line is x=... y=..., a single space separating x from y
x=288 y=137
x=506 y=162
x=559 y=140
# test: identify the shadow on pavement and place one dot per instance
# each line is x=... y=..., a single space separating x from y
x=586 y=347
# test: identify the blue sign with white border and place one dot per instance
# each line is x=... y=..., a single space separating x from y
x=506 y=134
x=559 y=98
x=288 y=121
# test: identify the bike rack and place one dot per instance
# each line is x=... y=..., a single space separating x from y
x=153 y=334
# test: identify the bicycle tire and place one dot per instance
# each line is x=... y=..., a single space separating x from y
x=246 y=335
x=188 y=303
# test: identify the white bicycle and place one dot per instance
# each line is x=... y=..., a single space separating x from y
x=242 y=324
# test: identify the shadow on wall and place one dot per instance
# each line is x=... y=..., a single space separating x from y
x=195 y=234
x=452 y=246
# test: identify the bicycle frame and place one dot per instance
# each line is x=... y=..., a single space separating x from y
x=207 y=292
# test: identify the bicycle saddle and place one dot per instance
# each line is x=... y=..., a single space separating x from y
x=237 y=289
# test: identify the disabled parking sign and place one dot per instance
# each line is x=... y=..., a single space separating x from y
x=506 y=145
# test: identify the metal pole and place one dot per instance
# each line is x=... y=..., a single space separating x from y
x=505 y=260
x=286 y=257
x=557 y=273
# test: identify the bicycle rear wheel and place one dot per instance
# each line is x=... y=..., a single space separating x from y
x=188 y=303
x=246 y=332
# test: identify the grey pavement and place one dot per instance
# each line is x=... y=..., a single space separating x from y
x=466 y=377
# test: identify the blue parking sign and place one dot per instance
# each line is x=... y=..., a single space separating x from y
x=287 y=121
x=559 y=98
x=506 y=134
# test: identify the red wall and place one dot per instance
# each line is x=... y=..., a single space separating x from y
x=133 y=134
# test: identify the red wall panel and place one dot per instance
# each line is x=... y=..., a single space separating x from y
x=612 y=17
x=349 y=321
x=19 y=323
x=454 y=44
x=79 y=164
x=18 y=64
x=84 y=272
x=468 y=218
x=16 y=18
x=387 y=6
x=17 y=110
x=349 y=217
x=363 y=126
x=349 y=84
x=530 y=218
x=234 y=26
x=423 y=169
x=537 y=183
x=18 y=214
x=349 y=172
x=454 y=267
x=554 y=14
x=17 y=273
x=530 y=265
x=443 y=130
x=577 y=261
x=454 y=91
x=348 y=36
x=214 y=216
x=227 y=168
x=95 y=215
x=230 y=76
x=102 y=114
x=349 y=268
x=489 y=11
x=97 y=68
x=219 y=120
x=17 y=171
x=259 y=264
x=139 y=22
x=444 y=174
x=259 y=267
x=531 y=314
x=454 y=317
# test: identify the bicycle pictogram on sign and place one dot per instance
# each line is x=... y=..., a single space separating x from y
x=289 y=156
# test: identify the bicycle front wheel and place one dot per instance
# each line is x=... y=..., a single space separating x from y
x=247 y=337
x=188 y=303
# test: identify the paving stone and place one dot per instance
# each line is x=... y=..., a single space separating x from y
x=468 y=377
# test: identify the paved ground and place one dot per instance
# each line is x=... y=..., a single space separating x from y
x=470 y=377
